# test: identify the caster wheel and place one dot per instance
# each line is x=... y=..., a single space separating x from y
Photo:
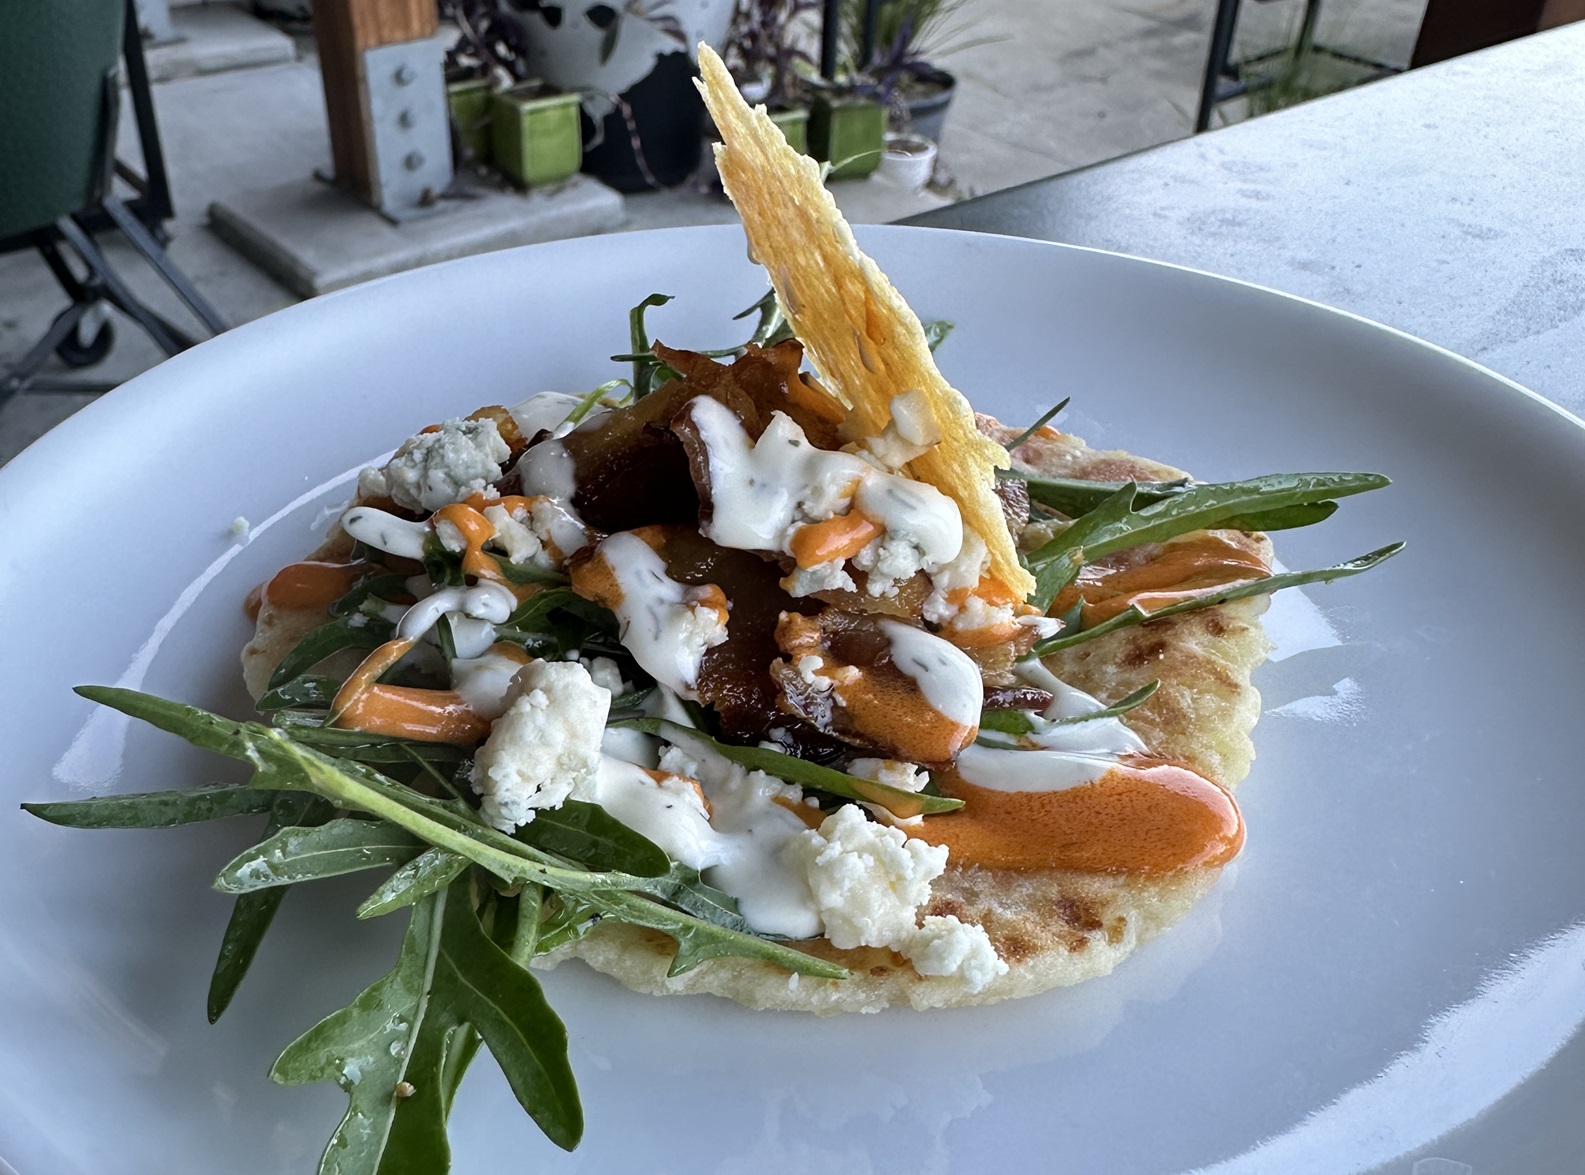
x=74 y=352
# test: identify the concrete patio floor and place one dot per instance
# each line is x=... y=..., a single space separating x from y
x=1045 y=86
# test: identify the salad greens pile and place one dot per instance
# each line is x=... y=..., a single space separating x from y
x=484 y=903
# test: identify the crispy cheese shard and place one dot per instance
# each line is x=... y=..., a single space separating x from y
x=866 y=345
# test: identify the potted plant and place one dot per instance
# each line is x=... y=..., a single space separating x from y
x=529 y=130
x=633 y=67
x=536 y=134
x=847 y=128
x=908 y=36
x=487 y=56
x=765 y=52
x=469 y=100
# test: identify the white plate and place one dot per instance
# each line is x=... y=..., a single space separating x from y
x=1393 y=970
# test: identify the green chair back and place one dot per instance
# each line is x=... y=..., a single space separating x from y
x=55 y=107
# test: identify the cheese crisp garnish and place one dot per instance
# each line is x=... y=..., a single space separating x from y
x=863 y=340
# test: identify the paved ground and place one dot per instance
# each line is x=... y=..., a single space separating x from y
x=1045 y=86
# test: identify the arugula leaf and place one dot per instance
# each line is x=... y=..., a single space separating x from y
x=1045 y=419
x=485 y=987
x=365 y=1048
x=1021 y=722
x=1282 y=518
x=1074 y=497
x=936 y=332
x=1107 y=528
x=1054 y=574
x=160 y=809
x=1056 y=564
x=632 y=701
x=364 y=746
x=1137 y=615
x=684 y=888
x=445 y=638
x=1015 y=722
x=281 y=763
x=448 y=1040
x=252 y=913
x=590 y=399
x=698 y=940
x=309 y=692
x=783 y=766
x=568 y=921
x=429 y=872
x=400 y=1036
x=368 y=633
x=339 y=846
x=388 y=587
x=773 y=326
x=648 y=372
x=587 y=834
x=1118 y=708
x=560 y=619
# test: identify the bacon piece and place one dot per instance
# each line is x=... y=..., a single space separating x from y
x=838 y=674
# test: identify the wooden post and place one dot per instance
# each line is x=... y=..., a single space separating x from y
x=344 y=29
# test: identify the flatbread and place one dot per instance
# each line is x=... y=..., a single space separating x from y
x=1052 y=927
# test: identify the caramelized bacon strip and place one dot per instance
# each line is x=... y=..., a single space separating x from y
x=838 y=674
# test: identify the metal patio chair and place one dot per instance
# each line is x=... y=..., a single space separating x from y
x=59 y=101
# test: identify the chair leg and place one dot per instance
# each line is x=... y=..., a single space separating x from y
x=169 y=338
x=1216 y=61
x=144 y=242
x=18 y=378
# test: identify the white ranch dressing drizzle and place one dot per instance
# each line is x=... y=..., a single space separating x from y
x=1011 y=769
x=668 y=812
x=484 y=682
x=547 y=469
x=1063 y=756
x=544 y=411
x=1097 y=736
x=947 y=677
x=762 y=492
x=752 y=833
x=386 y=532
x=665 y=630
x=916 y=511
x=486 y=601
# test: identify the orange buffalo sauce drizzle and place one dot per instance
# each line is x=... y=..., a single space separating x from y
x=839 y=537
x=304 y=585
x=1185 y=568
x=476 y=530
x=997 y=595
x=1142 y=816
x=427 y=715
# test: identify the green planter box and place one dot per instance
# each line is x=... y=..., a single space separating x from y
x=848 y=132
x=794 y=126
x=537 y=140
x=470 y=113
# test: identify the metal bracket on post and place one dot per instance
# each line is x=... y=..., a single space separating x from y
x=411 y=129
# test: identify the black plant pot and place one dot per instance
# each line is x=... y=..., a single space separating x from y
x=667 y=120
